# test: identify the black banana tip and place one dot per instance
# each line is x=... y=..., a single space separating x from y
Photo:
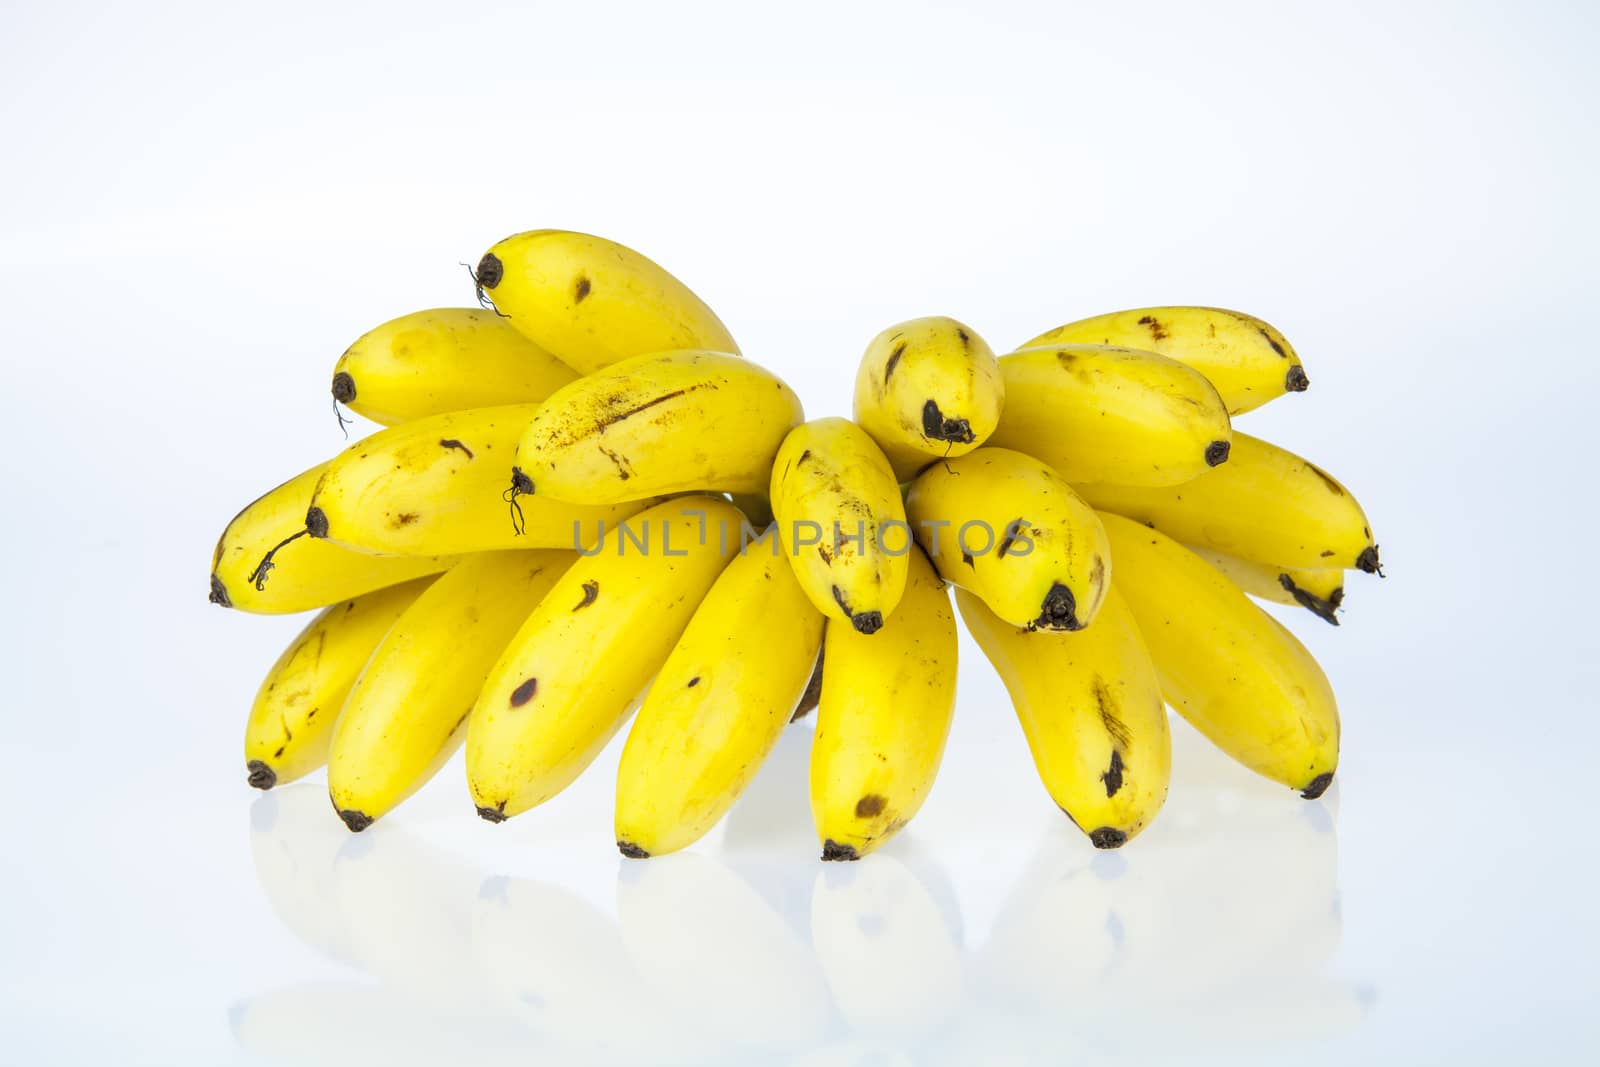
x=1217 y=453
x=632 y=851
x=1368 y=561
x=1318 y=786
x=867 y=622
x=939 y=428
x=490 y=271
x=492 y=814
x=316 y=522
x=1106 y=837
x=219 y=593
x=260 y=775
x=1296 y=381
x=521 y=484
x=1323 y=609
x=344 y=388
x=356 y=820
x=832 y=851
x=1058 y=611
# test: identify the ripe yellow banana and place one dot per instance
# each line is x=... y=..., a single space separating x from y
x=1090 y=706
x=716 y=709
x=1265 y=504
x=655 y=424
x=264 y=562
x=1097 y=413
x=883 y=719
x=1247 y=360
x=439 y=485
x=567 y=679
x=447 y=359
x=1226 y=665
x=404 y=717
x=1010 y=529
x=1319 y=591
x=841 y=521
x=594 y=302
x=928 y=389
x=291 y=721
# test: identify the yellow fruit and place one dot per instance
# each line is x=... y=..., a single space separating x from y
x=1227 y=666
x=1247 y=360
x=1265 y=504
x=446 y=359
x=1100 y=414
x=567 y=679
x=883 y=718
x=439 y=485
x=1319 y=591
x=1090 y=706
x=657 y=424
x=841 y=521
x=594 y=302
x=1011 y=530
x=928 y=389
x=404 y=717
x=291 y=721
x=265 y=563
x=716 y=709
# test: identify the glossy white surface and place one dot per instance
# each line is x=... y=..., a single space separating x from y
x=196 y=216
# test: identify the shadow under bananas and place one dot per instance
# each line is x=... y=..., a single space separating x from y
x=1215 y=930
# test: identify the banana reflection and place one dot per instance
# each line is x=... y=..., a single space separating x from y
x=1219 y=927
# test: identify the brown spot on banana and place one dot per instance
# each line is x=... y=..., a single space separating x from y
x=871 y=806
x=1113 y=775
x=1217 y=453
x=591 y=590
x=524 y=692
x=1158 y=332
x=1276 y=347
x=1108 y=715
x=894 y=361
x=451 y=442
x=580 y=289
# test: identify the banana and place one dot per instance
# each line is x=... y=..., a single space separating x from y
x=403 y=718
x=883 y=719
x=928 y=389
x=291 y=721
x=439 y=485
x=1247 y=360
x=594 y=302
x=264 y=563
x=1319 y=591
x=1226 y=665
x=567 y=679
x=1097 y=413
x=716 y=709
x=1265 y=504
x=836 y=501
x=1090 y=706
x=1011 y=530
x=446 y=359
x=655 y=424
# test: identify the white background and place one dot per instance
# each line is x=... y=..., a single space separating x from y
x=201 y=206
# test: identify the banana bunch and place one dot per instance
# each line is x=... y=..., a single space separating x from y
x=583 y=504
